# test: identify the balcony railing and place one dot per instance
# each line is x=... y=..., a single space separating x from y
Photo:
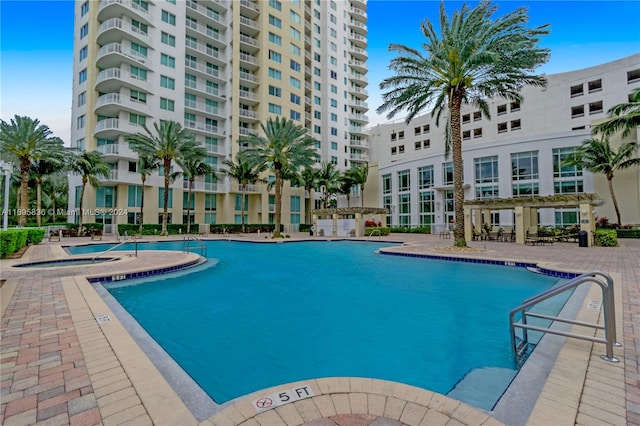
x=203 y=10
x=203 y=29
x=203 y=127
x=126 y=51
x=124 y=26
x=202 y=68
x=202 y=48
x=202 y=87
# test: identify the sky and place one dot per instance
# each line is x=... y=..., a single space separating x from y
x=36 y=60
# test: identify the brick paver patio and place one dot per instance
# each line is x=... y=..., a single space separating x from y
x=59 y=366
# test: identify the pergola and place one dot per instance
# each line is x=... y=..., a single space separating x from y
x=526 y=211
x=358 y=213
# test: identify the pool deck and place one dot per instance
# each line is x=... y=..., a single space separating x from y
x=67 y=359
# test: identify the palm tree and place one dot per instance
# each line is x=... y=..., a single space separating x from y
x=91 y=166
x=344 y=187
x=329 y=180
x=29 y=141
x=284 y=144
x=625 y=117
x=476 y=57
x=359 y=175
x=169 y=143
x=597 y=156
x=56 y=191
x=53 y=162
x=146 y=165
x=245 y=173
x=194 y=165
x=308 y=179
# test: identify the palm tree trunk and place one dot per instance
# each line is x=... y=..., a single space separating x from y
x=165 y=211
x=189 y=205
x=24 y=192
x=458 y=190
x=144 y=179
x=84 y=185
x=38 y=200
x=613 y=198
x=244 y=191
x=362 y=195
x=278 y=200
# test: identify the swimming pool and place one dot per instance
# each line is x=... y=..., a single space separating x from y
x=275 y=313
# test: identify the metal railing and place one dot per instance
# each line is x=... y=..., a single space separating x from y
x=115 y=247
x=608 y=306
x=198 y=244
x=374 y=232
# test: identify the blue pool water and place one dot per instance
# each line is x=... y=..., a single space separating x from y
x=269 y=314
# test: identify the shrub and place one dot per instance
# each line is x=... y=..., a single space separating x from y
x=156 y=228
x=606 y=238
x=234 y=228
x=383 y=230
x=407 y=230
x=304 y=227
x=35 y=235
x=11 y=241
x=372 y=223
x=628 y=233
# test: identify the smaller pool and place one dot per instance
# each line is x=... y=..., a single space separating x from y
x=65 y=262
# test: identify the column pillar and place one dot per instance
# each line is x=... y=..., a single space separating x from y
x=520 y=225
x=587 y=222
x=468 y=226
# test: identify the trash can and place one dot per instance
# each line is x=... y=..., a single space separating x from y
x=582 y=239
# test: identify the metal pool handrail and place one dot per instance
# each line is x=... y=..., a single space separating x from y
x=186 y=245
x=135 y=242
x=608 y=314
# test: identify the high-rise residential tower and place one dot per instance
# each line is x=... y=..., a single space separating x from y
x=220 y=68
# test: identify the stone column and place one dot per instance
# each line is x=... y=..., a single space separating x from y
x=468 y=226
x=520 y=225
x=587 y=222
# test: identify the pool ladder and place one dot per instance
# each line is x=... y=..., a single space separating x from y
x=135 y=243
x=197 y=243
x=603 y=280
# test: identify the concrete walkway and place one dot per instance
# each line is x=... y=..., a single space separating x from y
x=61 y=366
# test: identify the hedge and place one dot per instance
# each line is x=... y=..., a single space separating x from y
x=377 y=230
x=606 y=238
x=156 y=229
x=628 y=233
x=35 y=235
x=407 y=230
x=12 y=240
x=234 y=228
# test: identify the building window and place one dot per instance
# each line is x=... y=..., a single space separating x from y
x=275 y=39
x=566 y=179
x=425 y=177
x=447 y=173
x=417 y=130
x=595 y=85
x=168 y=61
x=394 y=150
x=84 y=31
x=168 y=39
x=137 y=120
x=515 y=106
x=106 y=196
x=82 y=55
x=486 y=177
x=295 y=209
x=294 y=82
x=401 y=135
x=404 y=180
x=295 y=50
x=477 y=133
x=466 y=118
x=294 y=65
x=167 y=104
x=502 y=109
x=404 y=210
x=275 y=91
x=276 y=22
x=169 y=18
x=566 y=218
x=82 y=76
x=633 y=76
x=275 y=56
x=386 y=184
x=295 y=99
x=577 y=90
x=275 y=74
x=524 y=173
x=275 y=109
x=417 y=146
x=515 y=124
x=138 y=73
x=477 y=116
x=167 y=82
x=426 y=128
x=137 y=96
x=82 y=98
x=577 y=111
x=84 y=9
x=134 y=196
x=466 y=135
x=81 y=122
x=427 y=208
x=161 y=198
x=275 y=4
x=595 y=107
x=502 y=127
x=426 y=143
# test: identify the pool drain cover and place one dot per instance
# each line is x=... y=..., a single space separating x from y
x=103 y=318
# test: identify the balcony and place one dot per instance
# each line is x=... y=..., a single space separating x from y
x=113 y=54
x=358 y=65
x=248 y=26
x=248 y=96
x=359 y=143
x=249 y=189
x=202 y=68
x=249 y=79
x=358 y=40
x=115 y=29
x=249 y=8
x=358 y=14
x=358 y=104
x=111 y=79
x=245 y=131
x=202 y=127
x=248 y=61
x=249 y=44
x=201 y=186
x=117 y=8
x=359 y=90
x=203 y=88
x=358 y=78
x=202 y=107
x=358 y=117
x=358 y=130
x=200 y=29
x=358 y=52
x=211 y=16
x=358 y=157
x=111 y=103
x=358 y=26
x=205 y=50
x=247 y=113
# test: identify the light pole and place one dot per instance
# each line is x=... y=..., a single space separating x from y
x=6 y=169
